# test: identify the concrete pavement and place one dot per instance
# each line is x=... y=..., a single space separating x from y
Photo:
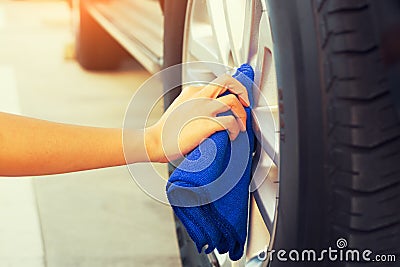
x=94 y=218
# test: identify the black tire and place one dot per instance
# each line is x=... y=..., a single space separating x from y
x=338 y=112
x=340 y=133
x=96 y=50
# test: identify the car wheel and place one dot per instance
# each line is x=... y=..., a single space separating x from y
x=95 y=49
x=321 y=67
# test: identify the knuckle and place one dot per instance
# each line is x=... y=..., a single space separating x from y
x=231 y=99
x=231 y=119
x=224 y=77
x=225 y=81
x=223 y=102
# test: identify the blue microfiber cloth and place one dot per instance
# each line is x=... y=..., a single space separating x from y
x=209 y=190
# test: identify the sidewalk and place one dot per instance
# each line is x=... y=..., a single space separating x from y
x=20 y=234
x=96 y=218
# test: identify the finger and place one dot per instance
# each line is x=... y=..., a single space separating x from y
x=223 y=83
x=232 y=103
x=194 y=132
x=228 y=123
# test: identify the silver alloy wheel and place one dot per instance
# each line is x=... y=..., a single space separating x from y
x=233 y=32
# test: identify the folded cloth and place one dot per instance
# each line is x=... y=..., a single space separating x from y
x=209 y=190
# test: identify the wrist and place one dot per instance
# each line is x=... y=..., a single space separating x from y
x=153 y=147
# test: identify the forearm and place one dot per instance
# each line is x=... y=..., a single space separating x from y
x=31 y=147
x=36 y=147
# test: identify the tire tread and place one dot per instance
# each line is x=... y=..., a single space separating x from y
x=364 y=129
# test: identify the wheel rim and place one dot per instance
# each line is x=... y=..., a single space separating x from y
x=232 y=32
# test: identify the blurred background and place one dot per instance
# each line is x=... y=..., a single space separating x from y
x=93 y=218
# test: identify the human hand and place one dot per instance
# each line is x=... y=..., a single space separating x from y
x=192 y=117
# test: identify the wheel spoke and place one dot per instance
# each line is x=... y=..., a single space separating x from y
x=265 y=184
x=235 y=19
x=266 y=118
x=265 y=94
x=220 y=32
x=254 y=28
x=265 y=70
x=264 y=40
x=197 y=75
x=201 y=43
x=266 y=199
x=247 y=30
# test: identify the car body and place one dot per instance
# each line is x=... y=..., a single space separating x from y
x=136 y=25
